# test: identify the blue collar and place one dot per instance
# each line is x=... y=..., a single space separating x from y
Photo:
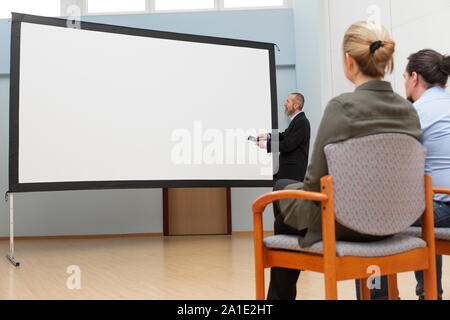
x=430 y=94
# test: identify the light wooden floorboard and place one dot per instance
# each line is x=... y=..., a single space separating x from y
x=171 y=268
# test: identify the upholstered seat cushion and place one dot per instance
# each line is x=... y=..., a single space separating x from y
x=439 y=233
x=390 y=246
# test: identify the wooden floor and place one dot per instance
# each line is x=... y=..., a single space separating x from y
x=200 y=267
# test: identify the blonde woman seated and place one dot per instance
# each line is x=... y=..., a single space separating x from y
x=373 y=108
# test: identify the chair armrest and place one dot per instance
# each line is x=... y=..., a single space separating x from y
x=441 y=190
x=260 y=204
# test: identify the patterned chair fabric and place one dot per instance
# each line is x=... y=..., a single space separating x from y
x=439 y=233
x=378 y=182
x=387 y=247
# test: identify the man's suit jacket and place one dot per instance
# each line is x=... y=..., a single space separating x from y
x=294 y=149
x=373 y=108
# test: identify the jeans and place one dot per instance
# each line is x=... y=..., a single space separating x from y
x=441 y=213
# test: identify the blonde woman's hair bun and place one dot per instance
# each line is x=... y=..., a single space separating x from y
x=370 y=44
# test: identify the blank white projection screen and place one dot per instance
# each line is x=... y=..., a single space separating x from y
x=99 y=106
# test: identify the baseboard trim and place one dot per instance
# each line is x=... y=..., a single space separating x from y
x=128 y=235
x=89 y=236
x=247 y=233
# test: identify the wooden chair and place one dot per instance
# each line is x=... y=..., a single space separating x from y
x=374 y=187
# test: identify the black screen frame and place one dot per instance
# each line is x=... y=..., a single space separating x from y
x=15 y=186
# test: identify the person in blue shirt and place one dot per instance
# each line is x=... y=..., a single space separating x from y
x=426 y=78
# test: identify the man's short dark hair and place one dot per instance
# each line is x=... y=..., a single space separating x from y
x=431 y=65
x=299 y=98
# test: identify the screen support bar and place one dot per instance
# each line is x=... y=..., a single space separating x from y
x=10 y=255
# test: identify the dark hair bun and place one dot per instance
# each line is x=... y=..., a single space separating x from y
x=431 y=65
x=445 y=66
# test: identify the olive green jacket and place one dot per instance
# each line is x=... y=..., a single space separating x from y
x=373 y=108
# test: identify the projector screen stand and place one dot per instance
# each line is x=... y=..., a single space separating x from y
x=10 y=255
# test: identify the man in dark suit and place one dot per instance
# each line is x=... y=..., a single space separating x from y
x=293 y=143
x=294 y=151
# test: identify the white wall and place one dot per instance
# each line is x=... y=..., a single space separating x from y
x=312 y=58
x=413 y=24
x=416 y=25
x=342 y=14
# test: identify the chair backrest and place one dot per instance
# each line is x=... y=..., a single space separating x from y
x=378 y=182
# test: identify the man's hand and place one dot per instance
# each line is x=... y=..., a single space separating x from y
x=261 y=144
x=263 y=137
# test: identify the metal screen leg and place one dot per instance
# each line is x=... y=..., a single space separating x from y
x=10 y=255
